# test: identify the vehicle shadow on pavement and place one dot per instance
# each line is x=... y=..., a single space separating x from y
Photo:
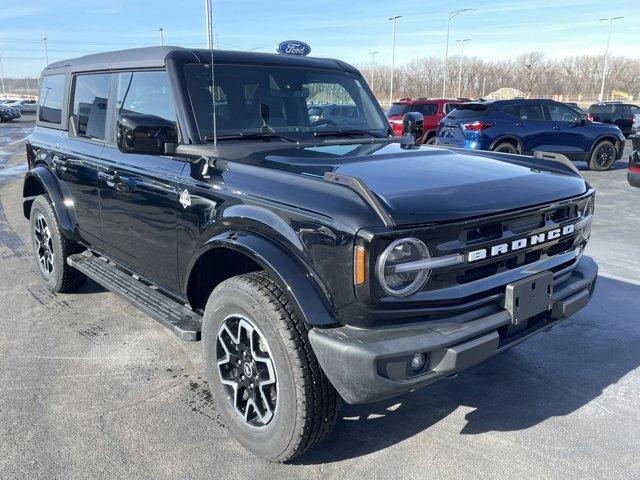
x=621 y=164
x=551 y=375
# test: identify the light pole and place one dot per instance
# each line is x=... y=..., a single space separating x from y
x=393 y=55
x=209 y=32
x=161 y=30
x=452 y=15
x=606 y=52
x=461 y=42
x=2 y=75
x=373 y=61
x=46 y=54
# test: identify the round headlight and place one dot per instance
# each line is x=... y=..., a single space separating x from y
x=394 y=279
x=587 y=208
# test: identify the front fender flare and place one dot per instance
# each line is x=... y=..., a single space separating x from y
x=310 y=299
x=48 y=182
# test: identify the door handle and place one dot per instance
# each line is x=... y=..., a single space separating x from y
x=109 y=177
x=555 y=127
x=59 y=163
x=519 y=124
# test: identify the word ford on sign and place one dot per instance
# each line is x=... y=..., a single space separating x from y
x=294 y=47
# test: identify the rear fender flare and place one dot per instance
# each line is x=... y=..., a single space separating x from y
x=310 y=299
x=41 y=178
x=511 y=138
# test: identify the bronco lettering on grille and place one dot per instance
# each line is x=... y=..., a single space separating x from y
x=520 y=243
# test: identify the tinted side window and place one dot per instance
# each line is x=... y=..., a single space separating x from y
x=426 y=109
x=525 y=111
x=90 y=93
x=562 y=113
x=145 y=92
x=51 y=98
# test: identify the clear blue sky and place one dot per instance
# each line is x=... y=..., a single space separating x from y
x=344 y=29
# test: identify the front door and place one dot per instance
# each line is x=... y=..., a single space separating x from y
x=139 y=193
x=568 y=136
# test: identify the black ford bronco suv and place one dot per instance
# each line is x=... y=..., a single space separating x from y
x=314 y=261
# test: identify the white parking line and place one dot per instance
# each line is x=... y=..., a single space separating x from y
x=619 y=278
x=16 y=141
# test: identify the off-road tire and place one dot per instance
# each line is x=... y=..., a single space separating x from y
x=307 y=404
x=506 y=147
x=63 y=278
x=595 y=163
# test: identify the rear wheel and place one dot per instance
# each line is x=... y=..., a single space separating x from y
x=262 y=372
x=51 y=249
x=603 y=156
x=430 y=140
x=506 y=147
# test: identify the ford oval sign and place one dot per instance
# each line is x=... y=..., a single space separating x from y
x=294 y=47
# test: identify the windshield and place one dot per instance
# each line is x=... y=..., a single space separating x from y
x=297 y=103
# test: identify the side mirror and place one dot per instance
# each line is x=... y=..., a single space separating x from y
x=142 y=133
x=413 y=126
x=583 y=120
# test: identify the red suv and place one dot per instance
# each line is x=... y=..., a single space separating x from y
x=432 y=109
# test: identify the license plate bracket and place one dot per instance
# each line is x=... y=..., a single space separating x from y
x=528 y=297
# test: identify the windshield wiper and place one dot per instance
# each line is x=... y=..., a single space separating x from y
x=347 y=133
x=250 y=136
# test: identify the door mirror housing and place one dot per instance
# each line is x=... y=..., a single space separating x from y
x=583 y=120
x=413 y=126
x=142 y=133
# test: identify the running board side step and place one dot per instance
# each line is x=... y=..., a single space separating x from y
x=182 y=321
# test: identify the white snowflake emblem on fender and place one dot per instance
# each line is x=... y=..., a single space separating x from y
x=185 y=198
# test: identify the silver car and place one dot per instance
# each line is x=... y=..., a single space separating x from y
x=25 y=105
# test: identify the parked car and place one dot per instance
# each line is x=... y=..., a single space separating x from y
x=432 y=110
x=633 y=175
x=528 y=126
x=635 y=125
x=24 y=106
x=8 y=113
x=617 y=113
x=313 y=262
x=337 y=115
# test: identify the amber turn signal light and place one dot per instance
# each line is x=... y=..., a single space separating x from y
x=358 y=265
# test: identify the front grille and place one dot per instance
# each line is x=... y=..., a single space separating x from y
x=463 y=285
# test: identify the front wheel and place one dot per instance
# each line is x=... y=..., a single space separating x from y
x=52 y=248
x=603 y=156
x=262 y=372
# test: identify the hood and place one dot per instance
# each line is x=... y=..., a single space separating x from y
x=433 y=184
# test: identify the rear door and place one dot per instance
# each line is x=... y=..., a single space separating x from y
x=76 y=161
x=528 y=125
x=138 y=192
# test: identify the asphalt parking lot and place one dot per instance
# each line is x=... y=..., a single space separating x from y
x=92 y=388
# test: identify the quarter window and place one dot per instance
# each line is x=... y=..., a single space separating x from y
x=90 y=93
x=145 y=92
x=50 y=99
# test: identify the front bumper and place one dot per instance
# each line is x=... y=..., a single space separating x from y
x=365 y=365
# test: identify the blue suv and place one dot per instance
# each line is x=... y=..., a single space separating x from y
x=526 y=126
